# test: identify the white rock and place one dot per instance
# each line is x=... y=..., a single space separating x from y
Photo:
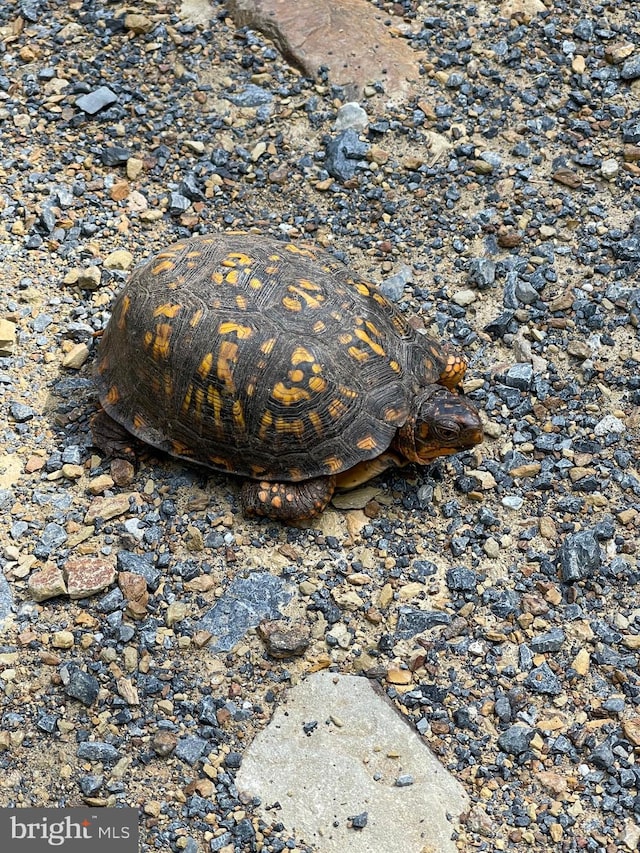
x=323 y=778
x=352 y=115
x=609 y=169
x=464 y=297
x=608 y=424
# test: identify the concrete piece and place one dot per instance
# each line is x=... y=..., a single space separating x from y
x=338 y=748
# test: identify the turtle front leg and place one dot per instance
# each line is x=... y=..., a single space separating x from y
x=286 y=501
x=112 y=438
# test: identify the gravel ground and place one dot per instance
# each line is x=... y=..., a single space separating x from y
x=493 y=595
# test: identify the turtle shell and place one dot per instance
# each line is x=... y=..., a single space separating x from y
x=263 y=358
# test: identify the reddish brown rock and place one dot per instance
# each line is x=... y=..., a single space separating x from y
x=47 y=583
x=122 y=472
x=134 y=589
x=88 y=576
x=34 y=463
x=349 y=37
x=163 y=743
x=284 y=639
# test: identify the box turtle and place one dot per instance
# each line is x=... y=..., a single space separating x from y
x=272 y=361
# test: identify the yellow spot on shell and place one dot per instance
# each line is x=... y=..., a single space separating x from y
x=311 y=301
x=148 y=339
x=345 y=338
x=265 y=423
x=316 y=422
x=359 y=354
x=299 y=250
x=195 y=318
x=217 y=277
x=301 y=354
x=138 y=422
x=318 y=327
x=255 y=283
x=379 y=298
x=399 y=324
x=238 y=414
x=240 y=257
x=292 y=304
x=215 y=401
x=227 y=356
x=318 y=384
x=367 y=443
x=205 y=365
x=349 y=393
x=334 y=464
x=394 y=366
x=167 y=310
x=267 y=346
x=228 y=262
x=272 y=269
x=362 y=288
x=178 y=448
x=394 y=416
x=288 y=396
x=242 y=302
x=124 y=310
x=275 y=257
x=229 y=327
x=295 y=426
x=187 y=399
x=307 y=284
x=364 y=337
x=232 y=276
x=373 y=329
x=296 y=375
x=220 y=462
x=163 y=266
x=112 y=396
x=337 y=408
x=161 y=342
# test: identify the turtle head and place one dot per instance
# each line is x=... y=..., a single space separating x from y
x=441 y=422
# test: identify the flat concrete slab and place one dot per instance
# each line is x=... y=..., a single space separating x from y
x=337 y=749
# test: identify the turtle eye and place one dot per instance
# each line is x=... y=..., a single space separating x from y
x=447 y=431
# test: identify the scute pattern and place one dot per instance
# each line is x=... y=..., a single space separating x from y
x=262 y=358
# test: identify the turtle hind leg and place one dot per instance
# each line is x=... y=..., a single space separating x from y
x=112 y=438
x=286 y=501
